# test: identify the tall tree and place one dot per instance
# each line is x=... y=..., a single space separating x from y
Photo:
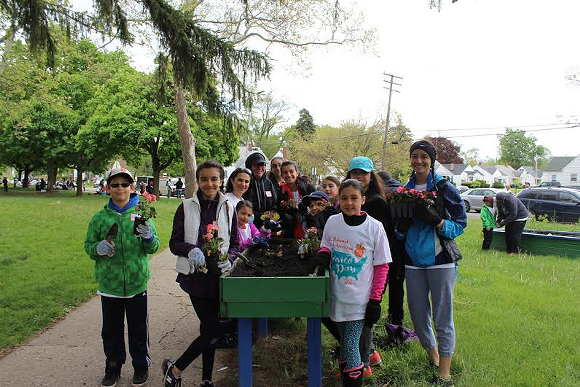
x=305 y=127
x=517 y=149
x=447 y=150
x=471 y=156
x=267 y=114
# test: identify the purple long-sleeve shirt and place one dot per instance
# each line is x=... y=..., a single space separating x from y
x=200 y=284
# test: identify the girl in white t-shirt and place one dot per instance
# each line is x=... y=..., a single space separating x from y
x=355 y=247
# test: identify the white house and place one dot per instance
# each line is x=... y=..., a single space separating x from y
x=460 y=173
x=243 y=153
x=527 y=174
x=496 y=173
x=562 y=169
x=442 y=171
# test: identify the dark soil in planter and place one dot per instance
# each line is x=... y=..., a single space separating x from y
x=280 y=260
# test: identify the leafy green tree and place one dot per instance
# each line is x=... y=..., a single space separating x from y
x=517 y=149
x=471 y=156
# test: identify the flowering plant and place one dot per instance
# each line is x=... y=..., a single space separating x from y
x=323 y=204
x=213 y=244
x=311 y=242
x=144 y=208
x=271 y=215
x=406 y=195
x=290 y=204
x=145 y=211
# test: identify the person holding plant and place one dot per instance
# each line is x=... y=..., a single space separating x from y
x=205 y=240
x=237 y=185
x=430 y=270
x=512 y=214
x=330 y=186
x=296 y=187
x=247 y=232
x=488 y=221
x=120 y=252
x=319 y=210
x=354 y=246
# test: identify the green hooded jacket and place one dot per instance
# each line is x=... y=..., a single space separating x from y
x=487 y=217
x=126 y=273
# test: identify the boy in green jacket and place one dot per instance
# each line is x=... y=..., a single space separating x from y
x=488 y=221
x=122 y=271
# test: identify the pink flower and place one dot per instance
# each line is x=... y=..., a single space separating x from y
x=412 y=191
x=150 y=197
x=400 y=189
x=211 y=227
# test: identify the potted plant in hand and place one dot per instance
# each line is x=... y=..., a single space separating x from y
x=145 y=210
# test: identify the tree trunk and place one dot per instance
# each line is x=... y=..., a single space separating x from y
x=186 y=139
x=8 y=41
x=51 y=172
x=79 y=160
x=25 y=181
x=156 y=172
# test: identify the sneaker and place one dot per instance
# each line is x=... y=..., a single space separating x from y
x=112 y=375
x=367 y=371
x=439 y=381
x=140 y=377
x=375 y=358
x=206 y=383
x=169 y=380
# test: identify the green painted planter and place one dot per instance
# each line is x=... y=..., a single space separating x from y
x=274 y=296
x=543 y=242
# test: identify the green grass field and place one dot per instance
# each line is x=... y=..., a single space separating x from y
x=516 y=317
x=44 y=270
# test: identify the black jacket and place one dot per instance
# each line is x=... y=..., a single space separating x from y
x=319 y=220
x=509 y=208
x=263 y=197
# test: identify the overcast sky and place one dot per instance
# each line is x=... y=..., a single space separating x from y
x=476 y=66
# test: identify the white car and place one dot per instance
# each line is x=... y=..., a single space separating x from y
x=473 y=198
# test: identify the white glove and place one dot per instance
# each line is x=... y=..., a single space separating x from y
x=224 y=265
x=196 y=258
x=106 y=248
x=144 y=231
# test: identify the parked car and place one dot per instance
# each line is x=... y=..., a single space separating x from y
x=558 y=204
x=462 y=188
x=473 y=198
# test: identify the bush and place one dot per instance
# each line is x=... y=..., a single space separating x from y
x=498 y=184
x=482 y=183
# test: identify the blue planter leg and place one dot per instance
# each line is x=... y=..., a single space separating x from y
x=245 y=352
x=262 y=327
x=314 y=353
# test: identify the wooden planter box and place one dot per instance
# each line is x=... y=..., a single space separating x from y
x=543 y=242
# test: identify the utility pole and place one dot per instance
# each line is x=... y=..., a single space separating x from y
x=391 y=82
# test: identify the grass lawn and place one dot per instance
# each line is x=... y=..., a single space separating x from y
x=516 y=317
x=44 y=270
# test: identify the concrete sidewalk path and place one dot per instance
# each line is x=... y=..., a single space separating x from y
x=71 y=352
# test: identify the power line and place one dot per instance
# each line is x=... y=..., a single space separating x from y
x=496 y=127
x=527 y=131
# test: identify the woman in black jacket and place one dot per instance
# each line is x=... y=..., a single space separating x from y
x=513 y=215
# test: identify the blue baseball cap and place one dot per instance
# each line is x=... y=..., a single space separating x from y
x=361 y=162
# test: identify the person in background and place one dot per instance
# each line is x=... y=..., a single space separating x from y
x=261 y=192
x=179 y=188
x=199 y=274
x=487 y=215
x=362 y=169
x=526 y=185
x=149 y=187
x=319 y=210
x=122 y=272
x=355 y=248
x=5 y=183
x=391 y=184
x=168 y=185
x=247 y=232
x=512 y=214
x=237 y=185
x=275 y=174
x=430 y=272
x=297 y=186
x=330 y=186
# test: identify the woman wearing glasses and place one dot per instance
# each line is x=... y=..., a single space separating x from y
x=275 y=174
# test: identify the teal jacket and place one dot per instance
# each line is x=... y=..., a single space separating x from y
x=126 y=273
x=487 y=217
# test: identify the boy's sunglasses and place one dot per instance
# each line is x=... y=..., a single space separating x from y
x=116 y=185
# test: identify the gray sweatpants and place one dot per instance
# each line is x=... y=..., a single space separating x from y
x=437 y=283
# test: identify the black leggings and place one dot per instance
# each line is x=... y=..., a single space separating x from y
x=207 y=310
x=513 y=235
